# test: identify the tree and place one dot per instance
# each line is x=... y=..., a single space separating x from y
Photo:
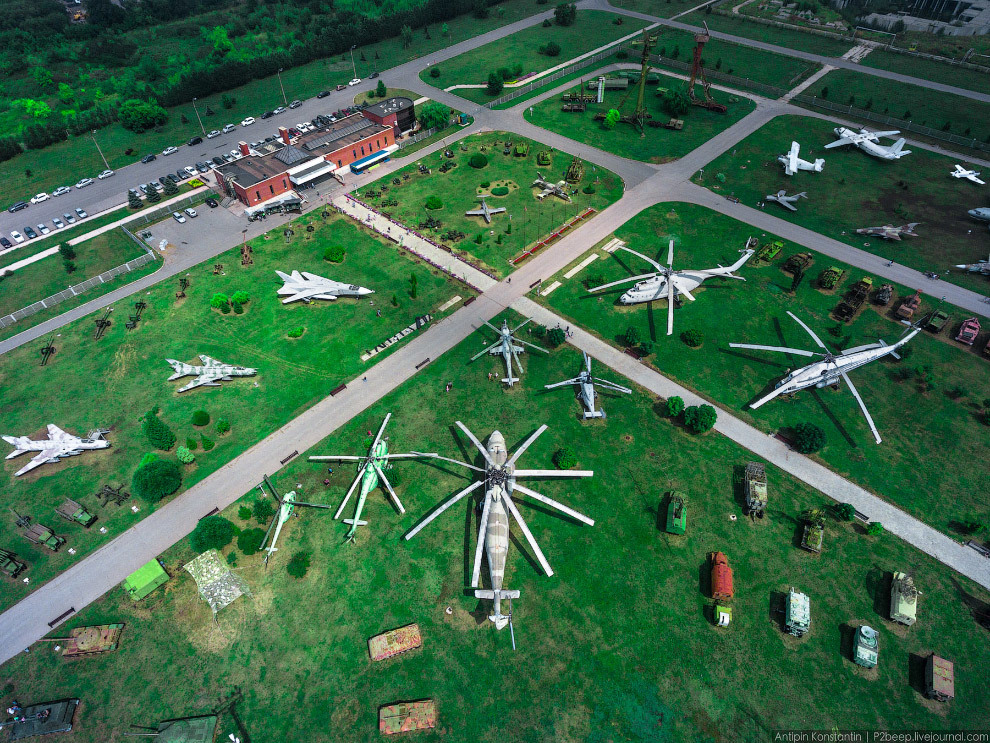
x=212 y=533
x=675 y=101
x=565 y=458
x=65 y=93
x=555 y=336
x=434 y=114
x=156 y=479
x=219 y=301
x=34 y=109
x=220 y=40
x=298 y=565
x=263 y=510
x=9 y=148
x=434 y=72
x=550 y=49
x=407 y=36
x=565 y=14
x=134 y=201
x=845 y=511
x=494 y=83
x=240 y=296
x=445 y=30
x=184 y=455
x=412 y=285
x=67 y=251
x=825 y=92
x=611 y=119
x=170 y=188
x=381 y=91
x=631 y=336
x=200 y=418
x=249 y=540
x=699 y=418
x=808 y=438
x=478 y=161
x=158 y=434
x=139 y=116
x=675 y=406
x=693 y=338
x=875 y=529
x=154 y=197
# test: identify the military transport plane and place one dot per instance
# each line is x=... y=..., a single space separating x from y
x=792 y=163
x=308 y=286
x=505 y=346
x=969 y=175
x=210 y=374
x=869 y=142
x=485 y=211
x=58 y=444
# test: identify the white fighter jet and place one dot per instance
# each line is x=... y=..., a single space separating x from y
x=969 y=175
x=869 y=142
x=58 y=444
x=586 y=389
x=506 y=347
x=792 y=163
x=786 y=201
x=210 y=374
x=308 y=286
x=485 y=211
x=666 y=283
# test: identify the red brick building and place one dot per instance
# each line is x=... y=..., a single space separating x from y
x=398 y=113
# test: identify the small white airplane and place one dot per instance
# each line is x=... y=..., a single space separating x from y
x=308 y=286
x=792 y=163
x=210 y=374
x=969 y=175
x=485 y=211
x=505 y=346
x=666 y=283
x=586 y=389
x=869 y=142
x=58 y=444
x=786 y=201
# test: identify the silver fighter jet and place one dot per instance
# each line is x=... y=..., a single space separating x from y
x=58 y=444
x=308 y=286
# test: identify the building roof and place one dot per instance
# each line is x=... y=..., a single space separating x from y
x=290 y=155
x=339 y=134
x=390 y=106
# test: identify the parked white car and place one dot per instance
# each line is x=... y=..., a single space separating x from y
x=279 y=110
x=229 y=128
x=170 y=151
x=191 y=171
x=105 y=174
x=214 y=133
x=355 y=81
x=61 y=191
x=84 y=182
x=44 y=229
x=190 y=212
x=178 y=217
x=18 y=237
x=39 y=198
x=59 y=224
x=235 y=154
x=248 y=121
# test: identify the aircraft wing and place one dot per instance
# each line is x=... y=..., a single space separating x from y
x=207 y=361
x=792 y=158
x=208 y=379
x=308 y=293
x=475 y=213
x=876 y=135
x=496 y=210
x=787 y=204
x=36 y=461
x=57 y=434
x=840 y=142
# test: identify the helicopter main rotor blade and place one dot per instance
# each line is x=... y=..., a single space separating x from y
x=553 y=473
x=587 y=361
x=781 y=349
x=531 y=345
x=862 y=406
x=474 y=440
x=612 y=386
x=380 y=431
x=492 y=347
x=269 y=532
x=409 y=455
x=480 y=548
x=443 y=507
x=312 y=505
x=670 y=253
x=388 y=487
x=670 y=305
x=453 y=461
x=529 y=535
x=514 y=355
x=516 y=329
x=810 y=332
x=681 y=288
x=525 y=446
x=576 y=380
x=336 y=457
x=652 y=262
x=623 y=281
x=554 y=504
x=347 y=497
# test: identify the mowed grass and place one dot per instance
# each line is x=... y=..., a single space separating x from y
x=925 y=434
x=856 y=190
x=965 y=117
x=617 y=645
x=792 y=39
x=658 y=8
x=653 y=145
x=58 y=237
x=939 y=72
x=112 y=382
x=592 y=29
x=460 y=187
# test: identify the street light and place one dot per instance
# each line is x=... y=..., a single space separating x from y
x=196 y=108
x=286 y=100
x=353 y=66
x=100 y=151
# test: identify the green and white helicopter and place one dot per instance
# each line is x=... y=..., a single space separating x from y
x=371 y=472
x=286 y=507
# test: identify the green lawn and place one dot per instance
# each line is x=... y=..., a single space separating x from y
x=292 y=373
x=856 y=190
x=592 y=29
x=805 y=42
x=459 y=187
x=940 y=72
x=925 y=433
x=656 y=8
x=581 y=73
x=58 y=237
x=617 y=645
x=658 y=145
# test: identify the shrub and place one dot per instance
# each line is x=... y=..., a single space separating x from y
x=237 y=308
x=154 y=480
x=137 y=116
x=334 y=254
x=555 y=336
x=434 y=202
x=219 y=300
x=565 y=458
x=149 y=457
x=184 y=455
x=200 y=418
x=550 y=49
x=296 y=332
x=546 y=22
x=675 y=406
x=435 y=72
x=158 y=434
x=298 y=565
x=192 y=444
x=223 y=426
x=69 y=266
x=240 y=297
x=485 y=184
x=699 y=418
x=66 y=252
x=494 y=84
x=808 y=438
x=249 y=540
x=500 y=191
x=244 y=513
x=263 y=510
x=693 y=338
x=875 y=529
x=540 y=331
x=478 y=161
x=631 y=336
x=207 y=443
x=589 y=189
x=845 y=511
x=212 y=533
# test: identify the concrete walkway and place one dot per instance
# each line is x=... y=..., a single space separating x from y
x=31 y=259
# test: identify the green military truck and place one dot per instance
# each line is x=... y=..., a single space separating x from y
x=72 y=511
x=676 y=513
x=9 y=565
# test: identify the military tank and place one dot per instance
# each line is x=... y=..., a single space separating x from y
x=866 y=647
x=404 y=717
x=903 y=599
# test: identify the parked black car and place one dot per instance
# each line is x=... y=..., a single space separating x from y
x=6 y=243
x=174 y=178
x=148 y=158
x=373 y=75
x=267 y=114
x=18 y=206
x=202 y=167
x=181 y=175
x=194 y=140
x=323 y=94
x=212 y=203
x=30 y=233
x=218 y=160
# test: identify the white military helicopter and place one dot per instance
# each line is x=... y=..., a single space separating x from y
x=869 y=142
x=58 y=444
x=970 y=175
x=586 y=389
x=507 y=348
x=830 y=368
x=308 y=286
x=210 y=374
x=786 y=201
x=500 y=483
x=485 y=211
x=792 y=163
x=666 y=283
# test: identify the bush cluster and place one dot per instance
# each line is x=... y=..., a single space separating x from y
x=699 y=418
x=223 y=426
x=334 y=254
x=154 y=480
x=158 y=434
x=693 y=338
x=500 y=191
x=478 y=161
x=200 y=418
x=434 y=202
x=212 y=533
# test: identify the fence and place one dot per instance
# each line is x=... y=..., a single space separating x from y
x=420 y=136
x=563 y=72
x=76 y=290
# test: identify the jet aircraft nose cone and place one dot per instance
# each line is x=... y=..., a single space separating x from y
x=362 y=291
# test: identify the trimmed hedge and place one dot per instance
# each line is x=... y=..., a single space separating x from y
x=500 y=191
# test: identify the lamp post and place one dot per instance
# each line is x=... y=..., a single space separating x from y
x=286 y=100
x=99 y=150
x=353 y=66
x=198 y=118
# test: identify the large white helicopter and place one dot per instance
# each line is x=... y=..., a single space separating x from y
x=830 y=368
x=666 y=283
x=500 y=482
x=586 y=388
x=507 y=348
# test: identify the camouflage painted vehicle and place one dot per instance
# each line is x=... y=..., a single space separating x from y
x=10 y=566
x=884 y=294
x=45 y=719
x=770 y=251
x=909 y=306
x=755 y=488
x=676 y=513
x=798 y=263
x=830 y=277
x=72 y=511
x=937 y=322
x=404 y=717
x=394 y=642
x=814 y=530
x=101 y=638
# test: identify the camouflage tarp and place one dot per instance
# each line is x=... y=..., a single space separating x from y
x=218 y=586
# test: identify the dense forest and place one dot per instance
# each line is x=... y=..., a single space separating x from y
x=126 y=62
